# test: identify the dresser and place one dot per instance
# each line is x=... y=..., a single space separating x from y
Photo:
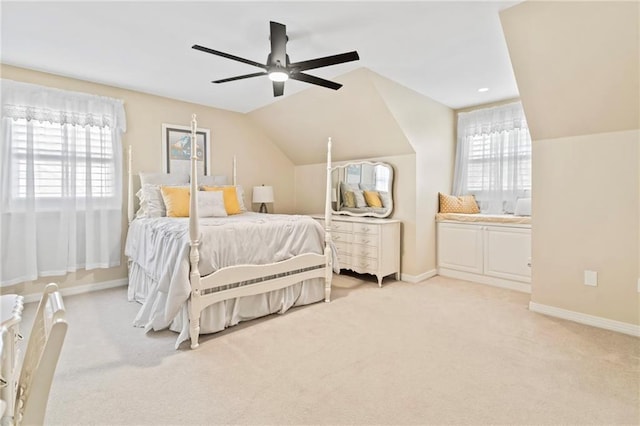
x=366 y=245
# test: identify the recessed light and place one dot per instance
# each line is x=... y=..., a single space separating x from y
x=483 y=89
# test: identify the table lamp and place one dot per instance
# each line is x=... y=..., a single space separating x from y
x=263 y=194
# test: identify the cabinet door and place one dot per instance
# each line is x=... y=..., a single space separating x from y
x=507 y=253
x=460 y=247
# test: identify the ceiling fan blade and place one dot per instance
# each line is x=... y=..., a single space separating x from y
x=278 y=44
x=228 y=56
x=278 y=88
x=325 y=62
x=240 y=77
x=315 y=80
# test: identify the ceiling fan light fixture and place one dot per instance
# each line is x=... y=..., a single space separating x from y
x=278 y=76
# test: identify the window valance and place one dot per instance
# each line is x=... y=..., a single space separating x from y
x=32 y=101
x=503 y=118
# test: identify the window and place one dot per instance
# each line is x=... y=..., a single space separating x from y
x=91 y=174
x=493 y=157
x=60 y=182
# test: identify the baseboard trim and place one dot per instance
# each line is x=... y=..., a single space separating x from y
x=417 y=278
x=484 y=279
x=81 y=289
x=592 y=320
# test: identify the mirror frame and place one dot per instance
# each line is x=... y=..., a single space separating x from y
x=336 y=187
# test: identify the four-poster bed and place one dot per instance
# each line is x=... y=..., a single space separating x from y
x=210 y=273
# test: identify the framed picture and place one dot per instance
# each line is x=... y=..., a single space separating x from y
x=176 y=149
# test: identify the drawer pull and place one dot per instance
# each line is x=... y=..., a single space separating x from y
x=336 y=237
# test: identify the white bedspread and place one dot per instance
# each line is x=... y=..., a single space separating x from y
x=160 y=248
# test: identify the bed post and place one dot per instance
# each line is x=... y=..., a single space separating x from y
x=235 y=182
x=194 y=235
x=327 y=229
x=130 y=185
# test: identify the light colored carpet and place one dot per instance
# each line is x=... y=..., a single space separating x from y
x=442 y=351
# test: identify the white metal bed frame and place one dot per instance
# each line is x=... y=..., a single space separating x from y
x=244 y=280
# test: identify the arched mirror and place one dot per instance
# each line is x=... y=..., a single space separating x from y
x=362 y=189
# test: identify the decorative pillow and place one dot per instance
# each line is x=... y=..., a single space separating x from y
x=349 y=199
x=523 y=207
x=345 y=187
x=217 y=180
x=359 y=196
x=211 y=204
x=462 y=204
x=176 y=200
x=372 y=198
x=169 y=179
x=151 y=203
x=230 y=195
x=385 y=198
x=239 y=193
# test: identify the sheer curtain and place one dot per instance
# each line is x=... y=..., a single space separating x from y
x=493 y=157
x=60 y=182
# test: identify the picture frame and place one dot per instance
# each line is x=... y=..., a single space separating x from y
x=176 y=149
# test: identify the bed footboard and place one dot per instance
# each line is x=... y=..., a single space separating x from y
x=246 y=280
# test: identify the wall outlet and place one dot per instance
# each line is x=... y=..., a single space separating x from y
x=638 y=285
x=591 y=278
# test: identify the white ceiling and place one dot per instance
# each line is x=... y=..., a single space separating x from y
x=445 y=50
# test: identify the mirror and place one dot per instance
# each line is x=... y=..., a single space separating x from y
x=362 y=189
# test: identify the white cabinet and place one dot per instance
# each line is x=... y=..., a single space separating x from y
x=496 y=254
x=366 y=245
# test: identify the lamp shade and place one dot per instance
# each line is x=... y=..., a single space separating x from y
x=263 y=194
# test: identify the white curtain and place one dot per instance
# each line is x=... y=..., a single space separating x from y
x=493 y=157
x=60 y=182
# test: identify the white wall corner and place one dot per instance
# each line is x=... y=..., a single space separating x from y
x=592 y=320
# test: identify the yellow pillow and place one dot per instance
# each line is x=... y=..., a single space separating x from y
x=349 y=199
x=462 y=204
x=176 y=200
x=372 y=198
x=230 y=196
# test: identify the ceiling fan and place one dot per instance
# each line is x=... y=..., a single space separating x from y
x=278 y=67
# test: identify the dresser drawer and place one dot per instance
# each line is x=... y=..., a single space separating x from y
x=365 y=228
x=366 y=239
x=359 y=250
x=341 y=226
x=341 y=237
x=365 y=264
x=343 y=248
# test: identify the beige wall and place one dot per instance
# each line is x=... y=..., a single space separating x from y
x=577 y=68
x=576 y=65
x=429 y=128
x=259 y=160
x=356 y=117
x=585 y=217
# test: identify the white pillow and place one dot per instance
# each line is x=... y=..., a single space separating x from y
x=163 y=178
x=217 y=180
x=385 y=197
x=151 y=202
x=359 y=196
x=523 y=207
x=211 y=204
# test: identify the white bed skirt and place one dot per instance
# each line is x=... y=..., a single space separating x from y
x=220 y=315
